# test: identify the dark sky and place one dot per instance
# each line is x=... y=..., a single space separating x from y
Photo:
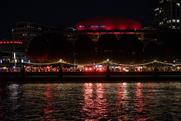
x=68 y=12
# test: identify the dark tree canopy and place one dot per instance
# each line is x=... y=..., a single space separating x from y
x=53 y=45
x=84 y=49
x=38 y=49
x=131 y=47
x=108 y=47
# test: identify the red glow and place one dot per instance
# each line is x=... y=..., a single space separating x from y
x=6 y=42
x=94 y=106
x=100 y=69
x=88 y=68
x=122 y=27
x=108 y=24
x=48 y=108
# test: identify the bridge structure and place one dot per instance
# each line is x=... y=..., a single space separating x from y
x=104 y=66
x=106 y=69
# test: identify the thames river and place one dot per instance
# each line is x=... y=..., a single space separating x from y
x=148 y=101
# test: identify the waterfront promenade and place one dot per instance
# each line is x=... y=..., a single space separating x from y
x=105 y=70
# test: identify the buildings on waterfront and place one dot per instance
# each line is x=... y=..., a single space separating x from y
x=96 y=27
x=168 y=14
x=102 y=29
x=26 y=31
x=11 y=52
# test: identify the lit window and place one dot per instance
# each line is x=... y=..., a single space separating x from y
x=173 y=27
x=39 y=28
x=178 y=4
x=24 y=34
x=178 y=21
x=173 y=20
x=157 y=9
x=161 y=23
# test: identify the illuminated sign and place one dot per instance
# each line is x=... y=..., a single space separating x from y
x=9 y=42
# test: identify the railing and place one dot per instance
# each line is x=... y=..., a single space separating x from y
x=153 y=66
x=48 y=69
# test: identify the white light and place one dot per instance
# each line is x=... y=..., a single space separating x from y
x=178 y=4
x=15 y=60
x=156 y=9
x=22 y=61
x=178 y=21
x=173 y=27
x=173 y=20
x=14 y=55
x=1 y=61
x=81 y=26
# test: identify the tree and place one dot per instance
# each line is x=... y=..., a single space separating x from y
x=51 y=47
x=84 y=49
x=108 y=47
x=130 y=47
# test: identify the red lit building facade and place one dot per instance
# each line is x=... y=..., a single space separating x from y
x=96 y=27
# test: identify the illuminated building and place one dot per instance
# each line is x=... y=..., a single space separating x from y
x=11 y=51
x=168 y=14
x=108 y=24
x=114 y=25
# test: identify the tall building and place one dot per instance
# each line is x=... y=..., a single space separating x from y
x=168 y=14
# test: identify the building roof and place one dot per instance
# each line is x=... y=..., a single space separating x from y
x=106 y=23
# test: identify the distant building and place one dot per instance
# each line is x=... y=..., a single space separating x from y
x=26 y=31
x=117 y=26
x=11 y=52
x=168 y=14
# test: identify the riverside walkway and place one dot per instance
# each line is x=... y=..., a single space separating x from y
x=103 y=70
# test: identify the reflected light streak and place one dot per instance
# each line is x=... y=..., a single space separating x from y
x=48 y=109
x=138 y=102
x=14 y=96
x=139 y=97
x=121 y=97
x=94 y=107
x=101 y=100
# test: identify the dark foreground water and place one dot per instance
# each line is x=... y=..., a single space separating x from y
x=91 y=102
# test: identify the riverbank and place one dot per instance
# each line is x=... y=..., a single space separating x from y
x=91 y=76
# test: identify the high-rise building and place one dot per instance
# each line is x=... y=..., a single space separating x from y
x=168 y=14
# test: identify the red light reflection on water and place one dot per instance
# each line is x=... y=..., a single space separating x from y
x=138 y=102
x=138 y=97
x=121 y=94
x=94 y=106
x=48 y=108
x=120 y=102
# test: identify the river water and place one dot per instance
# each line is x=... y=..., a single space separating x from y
x=122 y=101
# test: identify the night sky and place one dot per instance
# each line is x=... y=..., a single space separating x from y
x=68 y=12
